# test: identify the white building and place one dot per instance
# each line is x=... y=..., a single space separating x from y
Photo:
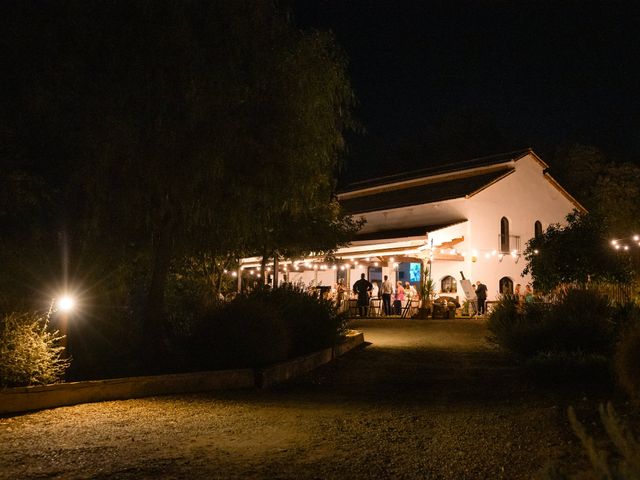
x=473 y=217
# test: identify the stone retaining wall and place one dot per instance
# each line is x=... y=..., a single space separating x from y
x=22 y=399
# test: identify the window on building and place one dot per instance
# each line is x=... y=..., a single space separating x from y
x=537 y=229
x=375 y=273
x=504 y=234
x=342 y=275
x=506 y=286
x=448 y=285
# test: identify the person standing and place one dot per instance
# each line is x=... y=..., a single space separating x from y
x=339 y=293
x=386 y=290
x=528 y=294
x=481 y=295
x=397 y=304
x=518 y=294
x=362 y=288
x=411 y=291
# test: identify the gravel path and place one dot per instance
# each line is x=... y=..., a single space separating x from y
x=427 y=399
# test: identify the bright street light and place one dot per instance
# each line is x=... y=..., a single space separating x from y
x=66 y=303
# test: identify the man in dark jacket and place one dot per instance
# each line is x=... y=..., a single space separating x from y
x=362 y=287
x=481 y=294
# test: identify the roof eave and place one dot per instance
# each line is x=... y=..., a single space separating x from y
x=566 y=194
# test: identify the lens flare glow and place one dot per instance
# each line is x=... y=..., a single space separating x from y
x=66 y=303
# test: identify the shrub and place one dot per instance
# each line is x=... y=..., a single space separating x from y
x=314 y=322
x=187 y=298
x=521 y=330
x=29 y=354
x=581 y=321
x=244 y=333
x=627 y=361
x=266 y=326
x=627 y=458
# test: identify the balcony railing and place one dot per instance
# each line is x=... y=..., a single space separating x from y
x=507 y=244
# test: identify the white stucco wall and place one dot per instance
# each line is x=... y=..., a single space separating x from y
x=523 y=197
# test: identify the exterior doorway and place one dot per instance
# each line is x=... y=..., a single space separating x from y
x=506 y=286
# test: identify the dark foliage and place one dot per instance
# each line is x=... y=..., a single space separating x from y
x=576 y=253
x=519 y=330
x=126 y=150
x=627 y=355
x=244 y=333
x=264 y=327
x=581 y=321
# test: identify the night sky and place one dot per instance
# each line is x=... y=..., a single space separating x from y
x=445 y=81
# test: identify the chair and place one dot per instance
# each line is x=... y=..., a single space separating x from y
x=353 y=307
x=406 y=309
x=415 y=305
x=374 y=307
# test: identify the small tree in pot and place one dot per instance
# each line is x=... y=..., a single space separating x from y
x=427 y=289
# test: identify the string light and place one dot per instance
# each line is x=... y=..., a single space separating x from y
x=624 y=243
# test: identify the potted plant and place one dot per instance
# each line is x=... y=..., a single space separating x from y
x=427 y=289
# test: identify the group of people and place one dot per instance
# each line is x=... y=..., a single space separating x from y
x=363 y=288
x=393 y=298
x=523 y=296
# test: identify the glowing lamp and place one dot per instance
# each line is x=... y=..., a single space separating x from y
x=66 y=303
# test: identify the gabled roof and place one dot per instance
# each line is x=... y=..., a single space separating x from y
x=475 y=163
x=421 y=194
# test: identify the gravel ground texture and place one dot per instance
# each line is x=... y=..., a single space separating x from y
x=425 y=399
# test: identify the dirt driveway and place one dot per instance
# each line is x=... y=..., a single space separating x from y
x=427 y=399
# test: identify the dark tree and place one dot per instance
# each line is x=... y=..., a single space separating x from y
x=578 y=252
x=168 y=129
